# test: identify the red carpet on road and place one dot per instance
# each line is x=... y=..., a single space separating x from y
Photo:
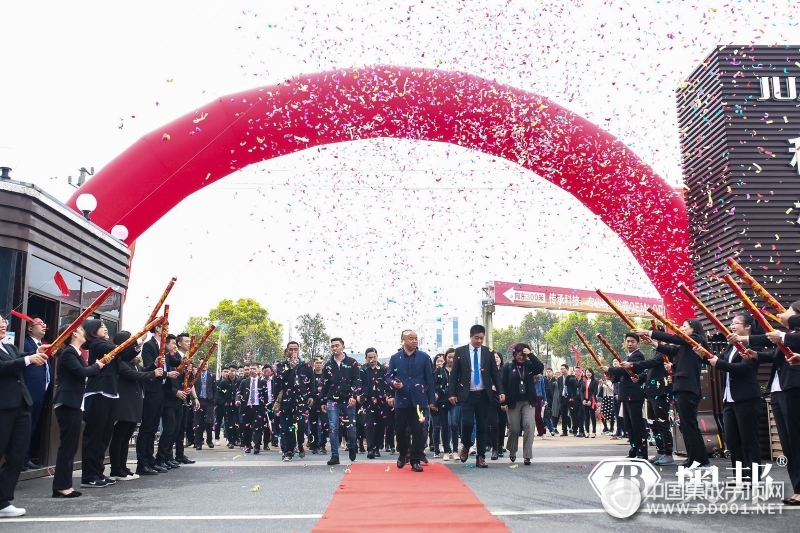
x=371 y=499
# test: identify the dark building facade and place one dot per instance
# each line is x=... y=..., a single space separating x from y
x=739 y=120
x=54 y=263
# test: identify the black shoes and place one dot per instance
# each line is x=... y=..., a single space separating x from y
x=527 y=462
x=401 y=461
x=210 y=445
x=495 y=454
x=30 y=465
x=361 y=449
x=248 y=450
x=73 y=494
x=160 y=469
x=94 y=484
x=301 y=451
x=256 y=451
x=377 y=452
x=146 y=471
x=163 y=465
x=185 y=460
x=334 y=460
x=371 y=454
x=172 y=463
x=199 y=447
x=416 y=467
x=352 y=452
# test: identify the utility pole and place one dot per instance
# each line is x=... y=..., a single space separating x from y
x=487 y=312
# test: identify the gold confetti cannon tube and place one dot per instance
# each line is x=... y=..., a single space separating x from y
x=756 y=286
x=614 y=307
x=195 y=347
x=113 y=353
x=78 y=321
x=674 y=327
x=200 y=368
x=706 y=311
x=613 y=352
x=164 y=329
x=750 y=306
x=161 y=300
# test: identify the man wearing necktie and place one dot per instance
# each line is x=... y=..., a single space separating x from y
x=251 y=398
x=473 y=380
x=205 y=387
x=37 y=379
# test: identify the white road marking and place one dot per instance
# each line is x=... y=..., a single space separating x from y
x=158 y=517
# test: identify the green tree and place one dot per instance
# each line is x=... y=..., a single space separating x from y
x=314 y=340
x=562 y=335
x=534 y=330
x=613 y=329
x=247 y=332
x=504 y=340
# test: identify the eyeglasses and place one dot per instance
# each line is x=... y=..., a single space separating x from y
x=737 y=323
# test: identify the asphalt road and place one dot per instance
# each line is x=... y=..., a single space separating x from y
x=230 y=490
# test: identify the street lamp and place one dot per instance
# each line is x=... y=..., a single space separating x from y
x=8 y=160
x=221 y=328
x=86 y=203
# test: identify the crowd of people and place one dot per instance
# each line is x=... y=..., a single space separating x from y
x=465 y=401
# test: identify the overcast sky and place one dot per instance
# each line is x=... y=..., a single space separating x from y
x=372 y=234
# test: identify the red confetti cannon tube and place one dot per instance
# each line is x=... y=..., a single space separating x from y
x=674 y=327
x=78 y=321
x=750 y=306
x=706 y=311
x=164 y=330
x=613 y=352
x=756 y=286
x=161 y=300
x=195 y=347
x=631 y=324
x=113 y=353
x=200 y=368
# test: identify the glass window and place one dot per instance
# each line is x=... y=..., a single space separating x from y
x=111 y=306
x=50 y=279
x=67 y=315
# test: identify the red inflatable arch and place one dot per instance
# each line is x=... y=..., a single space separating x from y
x=167 y=165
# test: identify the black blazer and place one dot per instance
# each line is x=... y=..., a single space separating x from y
x=629 y=391
x=12 y=386
x=149 y=355
x=572 y=388
x=211 y=386
x=341 y=382
x=172 y=385
x=686 y=365
x=72 y=373
x=243 y=395
x=373 y=384
x=657 y=379
x=107 y=380
x=129 y=406
x=510 y=379
x=743 y=375
x=461 y=374
x=788 y=375
x=592 y=395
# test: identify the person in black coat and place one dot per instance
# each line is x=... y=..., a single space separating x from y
x=588 y=394
x=473 y=381
x=72 y=372
x=686 y=367
x=227 y=392
x=658 y=390
x=373 y=394
x=15 y=418
x=741 y=397
x=152 y=407
x=517 y=378
x=251 y=399
x=172 y=413
x=631 y=394
x=100 y=400
x=129 y=406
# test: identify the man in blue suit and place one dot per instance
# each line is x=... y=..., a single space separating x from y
x=410 y=376
x=37 y=380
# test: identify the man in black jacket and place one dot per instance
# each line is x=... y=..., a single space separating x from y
x=251 y=399
x=152 y=408
x=565 y=400
x=15 y=419
x=632 y=395
x=659 y=396
x=341 y=389
x=317 y=418
x=227 y=394
x=472 y=381
x=291 y=383
x=205 y=388
x=374 y=391
x=172 y=412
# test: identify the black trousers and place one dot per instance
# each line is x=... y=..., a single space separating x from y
x=171 y=417
x=564 y=415
x=293 y=427
x=659 y=410
x=361 y=426
x=99 y=417
x=407 y=424
x=686 y=403
x=784 y=408
x=36 y=415
x=118 y=450
x=637 y=432
x=740 y=420
x=203 y=422
x=576 y=415
x=253 y=421
x=474 y=413
x=231 y=423
x=151 y=415
x=186 y=429
x=391 y=420
x=589 y=416
x=15 y=436
x=69 y=428
x=318 y=428
x=219 y=417
x=374 y=425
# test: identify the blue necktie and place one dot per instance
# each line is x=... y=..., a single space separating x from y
x=476 y=367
